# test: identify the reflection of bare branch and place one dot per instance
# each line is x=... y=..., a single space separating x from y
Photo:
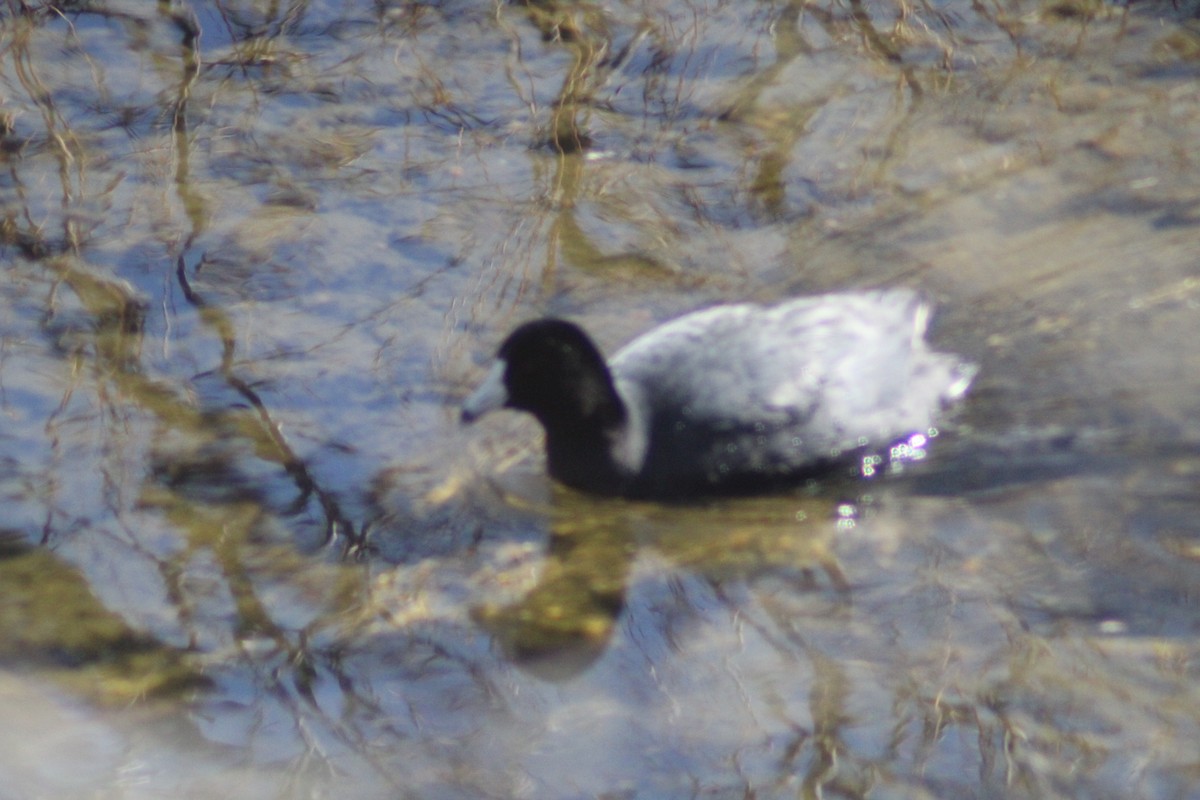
x=337 y=524
x=60 y=139
x=270 y=438
x=102 y=340
x=579 y=27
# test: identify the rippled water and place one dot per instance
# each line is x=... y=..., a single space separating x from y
x=256 y=254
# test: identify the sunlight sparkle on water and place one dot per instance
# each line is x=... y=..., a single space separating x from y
x=911 y=449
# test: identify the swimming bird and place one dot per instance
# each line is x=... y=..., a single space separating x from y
x=730 y=399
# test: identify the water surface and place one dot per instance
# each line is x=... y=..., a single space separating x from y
x=256 y=254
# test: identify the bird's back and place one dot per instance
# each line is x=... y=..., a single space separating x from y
x=750 y=392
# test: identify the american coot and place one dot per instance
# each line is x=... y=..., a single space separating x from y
x=731 y=399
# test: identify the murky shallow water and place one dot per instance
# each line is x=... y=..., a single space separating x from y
x=248 y=552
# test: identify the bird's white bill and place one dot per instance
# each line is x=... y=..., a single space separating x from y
x=490 y=395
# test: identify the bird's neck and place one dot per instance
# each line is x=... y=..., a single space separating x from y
x=585 y=456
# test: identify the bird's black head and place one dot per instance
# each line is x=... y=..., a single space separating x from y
x=553 y=371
